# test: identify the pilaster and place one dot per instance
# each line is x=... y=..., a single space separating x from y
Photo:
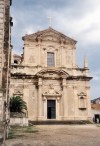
x=62 y=54
x=45 y=108
x=75 y=101
x=57 y=108
x=65 y=107
x=88 y=102
x=39 y=53
x=39 y=98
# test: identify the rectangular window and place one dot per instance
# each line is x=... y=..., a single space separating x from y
x=50 y=59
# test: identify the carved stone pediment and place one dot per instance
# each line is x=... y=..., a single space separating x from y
x=52 y=73
x=49 y=34
x=82 y=94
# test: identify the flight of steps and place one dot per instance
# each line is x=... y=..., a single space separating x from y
x=1 y=35
x=54 y=122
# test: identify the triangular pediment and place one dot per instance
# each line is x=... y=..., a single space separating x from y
x=49 y=34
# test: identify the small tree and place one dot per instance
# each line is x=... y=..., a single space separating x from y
x=17 y=104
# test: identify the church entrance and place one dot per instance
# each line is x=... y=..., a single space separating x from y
x=51 y=109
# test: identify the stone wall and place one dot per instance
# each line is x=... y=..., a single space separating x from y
x=4 y=46
x=6 y=49
x=4 y=40
x=19 y=121
x=1 y=37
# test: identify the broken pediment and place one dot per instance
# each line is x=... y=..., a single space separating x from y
x=49 y=35
x=82 y=94
x=52 y=73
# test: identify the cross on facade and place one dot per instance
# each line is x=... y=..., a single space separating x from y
x=50 y=20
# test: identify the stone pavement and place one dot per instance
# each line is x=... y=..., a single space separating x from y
x=60 y=135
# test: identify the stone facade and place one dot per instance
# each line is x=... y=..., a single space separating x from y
x=4 y=48
x=60 y=91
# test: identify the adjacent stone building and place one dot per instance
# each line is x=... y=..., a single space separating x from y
x=49 y=80
x=5 y=49
x=95 y=108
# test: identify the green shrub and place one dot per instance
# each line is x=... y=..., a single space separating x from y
x=17 y=104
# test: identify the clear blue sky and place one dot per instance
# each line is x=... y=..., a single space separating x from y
x=77 y=19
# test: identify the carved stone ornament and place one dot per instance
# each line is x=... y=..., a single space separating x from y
x=58 y=99
x=82 y=94
x=56 y=71
x=18 y=93
x=51 y=91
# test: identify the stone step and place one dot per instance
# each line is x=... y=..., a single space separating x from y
x=54 y=122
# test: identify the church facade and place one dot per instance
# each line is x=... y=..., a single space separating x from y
x=49 y=80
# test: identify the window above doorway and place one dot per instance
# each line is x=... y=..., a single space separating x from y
x=50 y=59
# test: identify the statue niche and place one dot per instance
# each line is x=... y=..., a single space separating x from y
x=82 y=101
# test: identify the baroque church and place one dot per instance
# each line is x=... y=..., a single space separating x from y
x=48 y=79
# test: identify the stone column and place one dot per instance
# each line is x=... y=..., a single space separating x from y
x=62 y=58
x=45 y=108
x=57 y=108
x=45 y=57
x=40 y=98
x=39 y=54
x=65 y=106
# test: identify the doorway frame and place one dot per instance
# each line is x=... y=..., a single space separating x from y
x=52 y=107
x=57 y=99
